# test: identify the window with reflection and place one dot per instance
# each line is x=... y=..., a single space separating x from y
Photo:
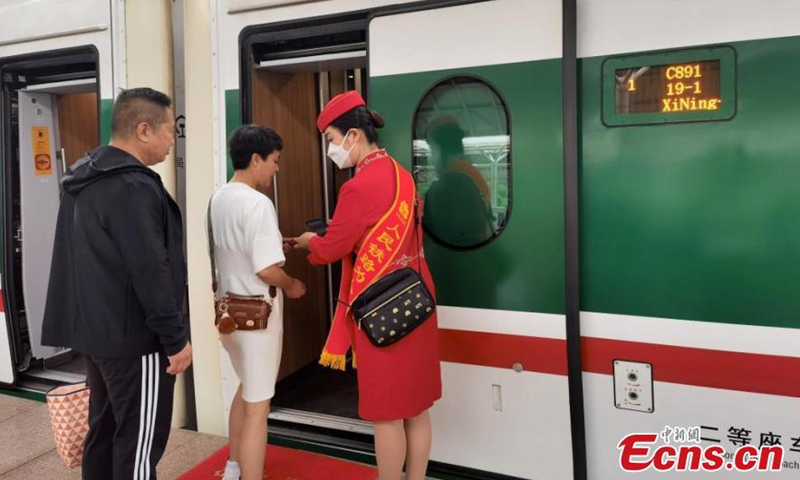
x=462 y=162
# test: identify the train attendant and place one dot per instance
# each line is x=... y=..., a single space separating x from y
x=397 y=384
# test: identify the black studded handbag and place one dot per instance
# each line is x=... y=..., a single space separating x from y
x=396 y=304
x=393 y=307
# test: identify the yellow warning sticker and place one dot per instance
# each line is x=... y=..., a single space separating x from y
x=40 y=138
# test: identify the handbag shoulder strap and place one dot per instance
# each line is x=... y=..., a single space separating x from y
x=210 y=227
x=417 y=222
x=415 y=212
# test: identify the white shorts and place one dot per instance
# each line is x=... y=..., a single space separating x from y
x=256 y=358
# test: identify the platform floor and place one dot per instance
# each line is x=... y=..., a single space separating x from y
x=28 y=449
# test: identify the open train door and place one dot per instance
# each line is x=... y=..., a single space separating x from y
x=50 y=103
x=40 y=172
x=472 y=97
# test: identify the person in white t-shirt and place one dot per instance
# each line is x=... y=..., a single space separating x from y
x=249 y=252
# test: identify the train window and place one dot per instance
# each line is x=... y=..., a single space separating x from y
x=688 y=85
x=462 y=162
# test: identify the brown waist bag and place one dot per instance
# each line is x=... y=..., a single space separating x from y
x=243 y=312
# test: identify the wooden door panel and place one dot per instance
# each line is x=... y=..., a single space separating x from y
x=287 y=103
x=77 y=124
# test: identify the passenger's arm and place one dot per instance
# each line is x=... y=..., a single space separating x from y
x=266 y=248
x=277 y=277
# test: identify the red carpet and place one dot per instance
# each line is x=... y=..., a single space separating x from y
x=287 y=464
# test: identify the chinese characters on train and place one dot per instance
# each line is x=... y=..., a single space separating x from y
x=736 y=437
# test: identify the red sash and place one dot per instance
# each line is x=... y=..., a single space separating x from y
x=377 y=253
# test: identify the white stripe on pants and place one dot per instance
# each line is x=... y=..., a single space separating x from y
x=147 y=415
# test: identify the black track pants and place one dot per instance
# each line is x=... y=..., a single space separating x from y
x=130 y=412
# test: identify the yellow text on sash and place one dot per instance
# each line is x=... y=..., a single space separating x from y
x=383 y=242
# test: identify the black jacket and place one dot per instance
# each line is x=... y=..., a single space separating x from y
x=118 y=276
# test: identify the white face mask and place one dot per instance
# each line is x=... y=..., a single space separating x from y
x=339 y=155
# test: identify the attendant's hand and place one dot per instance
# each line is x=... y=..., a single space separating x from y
x=296 y=290
x=179 y=362
x=304 y=240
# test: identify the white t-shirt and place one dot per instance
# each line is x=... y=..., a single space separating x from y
x=246 y=238
x=246 y=241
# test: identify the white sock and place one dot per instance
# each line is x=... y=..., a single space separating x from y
x=232 y=471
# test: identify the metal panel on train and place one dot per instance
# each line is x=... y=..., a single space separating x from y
x=39 y=186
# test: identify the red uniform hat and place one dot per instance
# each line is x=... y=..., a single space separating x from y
x=338 y=106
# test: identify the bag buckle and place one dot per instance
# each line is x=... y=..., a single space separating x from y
x=223 y=306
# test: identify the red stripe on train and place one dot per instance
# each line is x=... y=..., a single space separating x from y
x=536 y=354
x=745 y=372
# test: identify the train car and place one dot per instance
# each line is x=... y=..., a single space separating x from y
x=436 y=72
x=60 y=66
x=609 y=195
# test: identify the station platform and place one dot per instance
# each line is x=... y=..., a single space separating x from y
x=28 y=448
x=27 y=452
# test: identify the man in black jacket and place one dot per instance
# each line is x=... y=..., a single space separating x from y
x=117 y=286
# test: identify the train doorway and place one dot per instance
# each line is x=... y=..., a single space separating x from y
x=289 y=84
x=51 y=106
